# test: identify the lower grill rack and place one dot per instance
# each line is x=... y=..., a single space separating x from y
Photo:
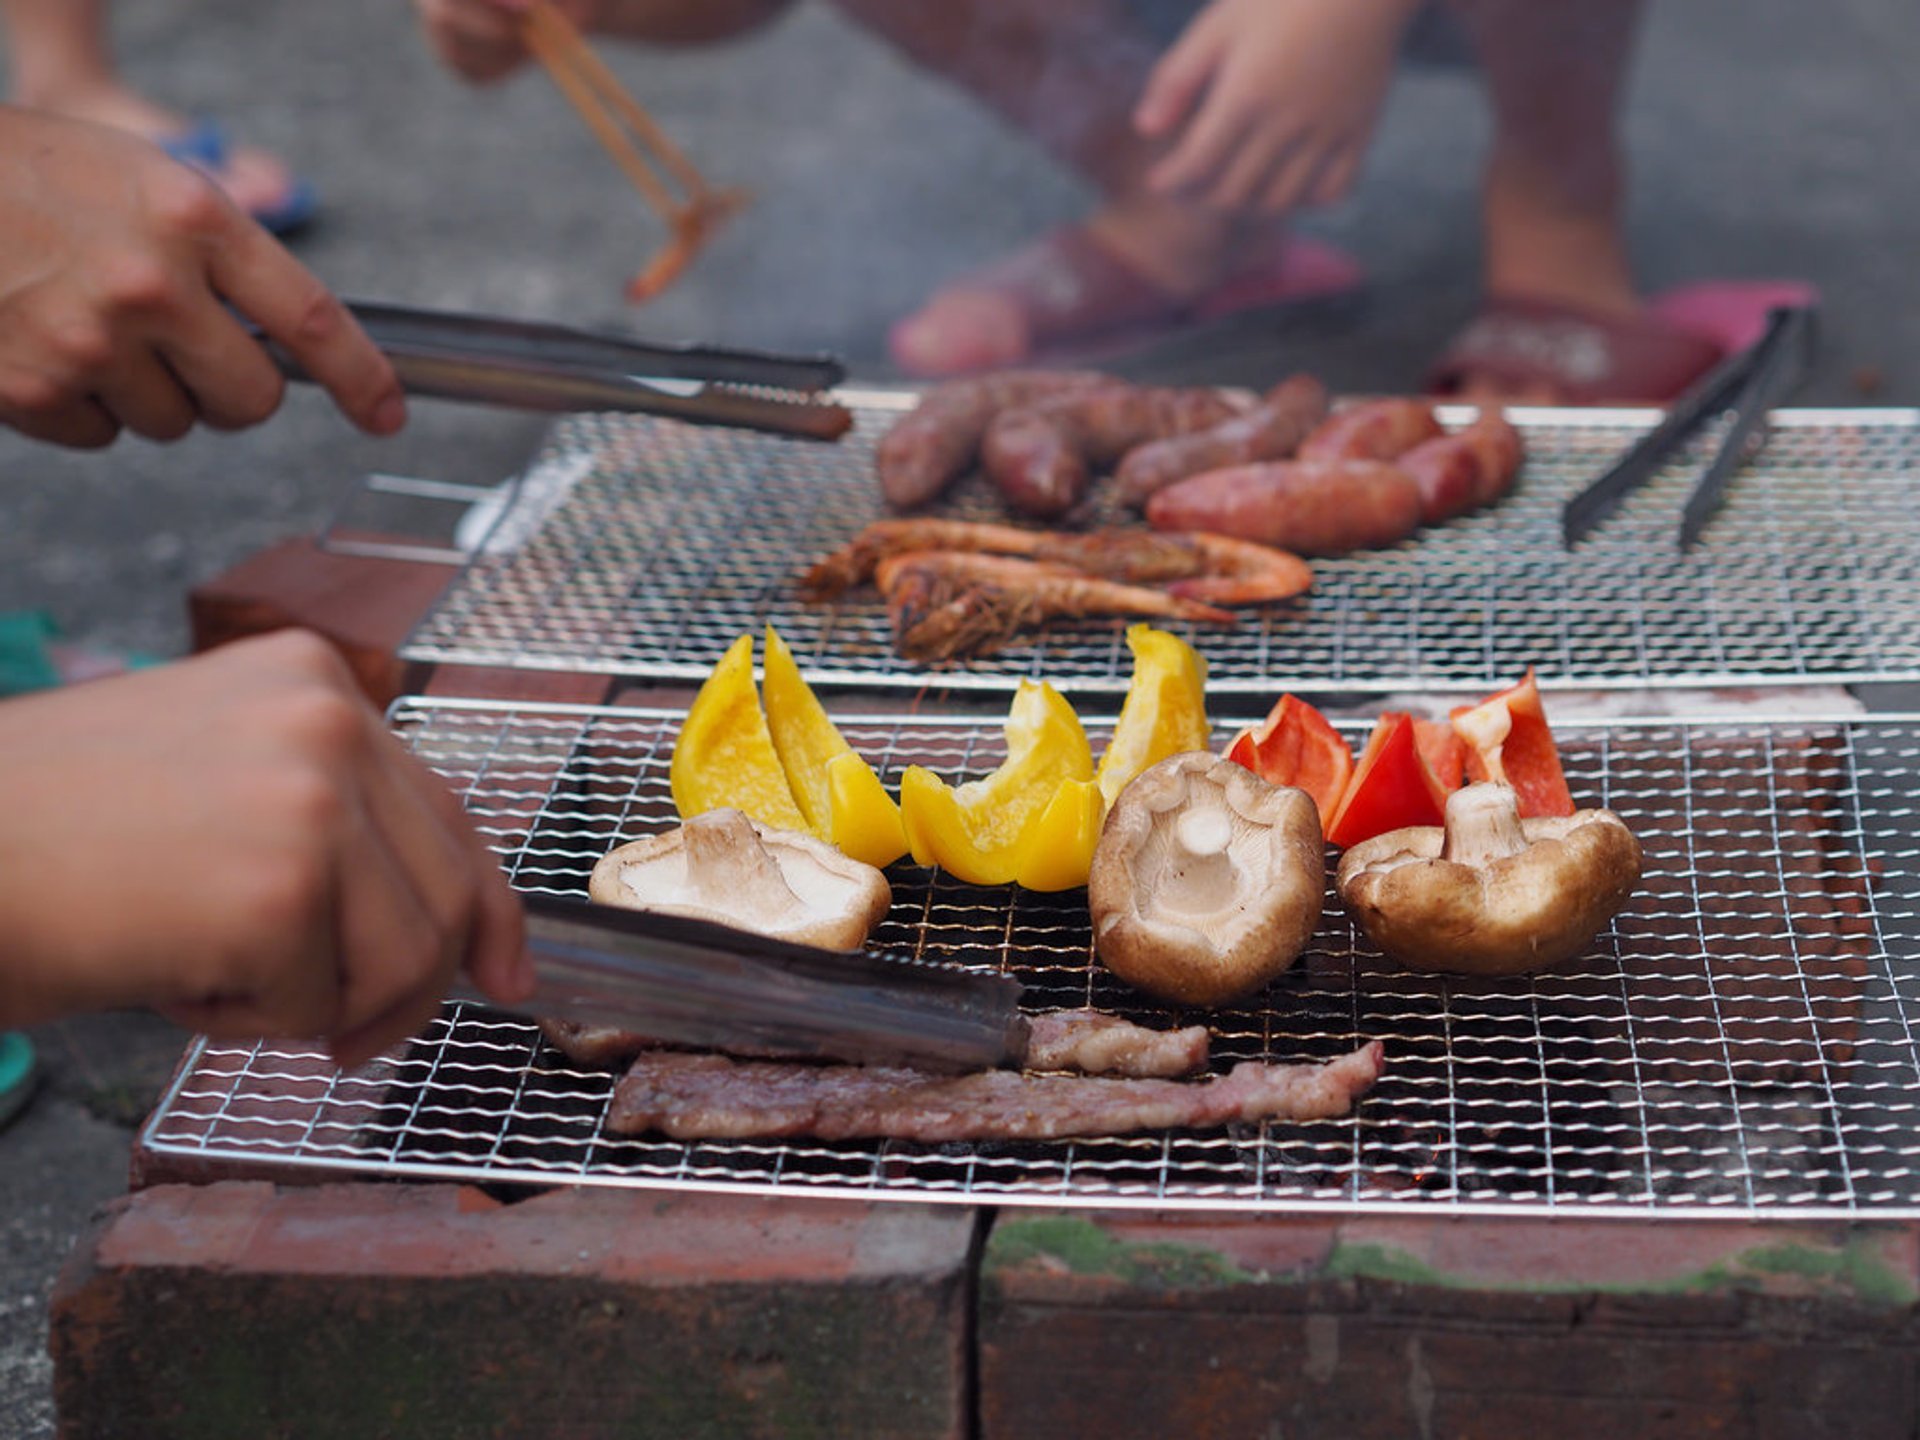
x=1742 y=1040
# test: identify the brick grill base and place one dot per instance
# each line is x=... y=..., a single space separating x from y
x=242 y=1309
x=366 y=1310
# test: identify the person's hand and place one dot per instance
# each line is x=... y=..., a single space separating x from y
x=238 y=842
x=118 y=266
x=1270 y=104
x=485 y=40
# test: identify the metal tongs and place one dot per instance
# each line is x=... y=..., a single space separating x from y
x=692 y=982
x=533 y=365
x=1748 y=385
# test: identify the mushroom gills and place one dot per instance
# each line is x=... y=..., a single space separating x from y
x=1207 y=881
x=726 y=867
x=1200 y=866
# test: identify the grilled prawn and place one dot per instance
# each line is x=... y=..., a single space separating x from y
x=1213 y=568
x=945 y=604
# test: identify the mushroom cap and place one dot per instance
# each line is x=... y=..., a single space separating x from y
x=1490 y=894
x=728 y=867
x=1207 y=881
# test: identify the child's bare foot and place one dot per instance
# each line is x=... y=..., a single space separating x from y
x=1126 y=269
x=1561 y=320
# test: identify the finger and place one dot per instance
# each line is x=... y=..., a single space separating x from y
x=1198 y=159
x=1174 y=85
x=353 y=1048
x=48 y=378
x=419 y=827
x=479 y=62
x=146 y=397
x=1252 y=168
x=1295 y=181
x=237 y=1017
x=80 y=424
x=232 y=380
x=464 y=887
x=396 y=962
x=230 y=1018
x=289 y=991
x=267 y=285
x=424 y=828
x=482 y=42
x=1335 y=182
x=497 y=957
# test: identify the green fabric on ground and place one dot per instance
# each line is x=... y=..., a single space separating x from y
x=18 y=1073
x=24 y=662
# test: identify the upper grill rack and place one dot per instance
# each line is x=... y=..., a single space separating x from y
x=676 y=539
x=1742 y=1040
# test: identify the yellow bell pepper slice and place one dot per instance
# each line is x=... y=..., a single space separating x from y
x=725 y=755
x=1165 y=712
x=843 y=800
x=979 y=831
x=1059 y=850
x=863 y=819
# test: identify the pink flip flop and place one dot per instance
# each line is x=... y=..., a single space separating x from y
x=1730 y=313
x=1068 y=290
x=1585 y=358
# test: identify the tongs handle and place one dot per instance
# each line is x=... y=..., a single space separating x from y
x=1780 y=360
x=1750 y=383
x=534 y=365
x=1600 y=499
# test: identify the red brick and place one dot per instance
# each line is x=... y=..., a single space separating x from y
x=1497 y=1327
x=242 y=1309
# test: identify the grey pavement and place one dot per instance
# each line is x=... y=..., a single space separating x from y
x=1771 y=138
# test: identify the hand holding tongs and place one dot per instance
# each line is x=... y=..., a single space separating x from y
x=1748 y=385
x=532 y=365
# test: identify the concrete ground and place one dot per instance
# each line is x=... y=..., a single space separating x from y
x=1777 y=143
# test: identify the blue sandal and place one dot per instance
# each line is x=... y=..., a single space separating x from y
x=206 y=148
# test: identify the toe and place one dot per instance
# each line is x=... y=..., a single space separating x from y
x=960 y=333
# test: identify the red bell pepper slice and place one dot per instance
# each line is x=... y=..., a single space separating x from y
x=1508 y=741
x=1296 y=745
x=1391 y=786
x=1443 y=750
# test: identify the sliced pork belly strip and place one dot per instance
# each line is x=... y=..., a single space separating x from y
x=692 y=1097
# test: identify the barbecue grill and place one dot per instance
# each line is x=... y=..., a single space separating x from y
x=1484 y=1241
x=663 y=542
x=1740 y=1042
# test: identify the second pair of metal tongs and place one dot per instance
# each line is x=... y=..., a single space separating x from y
x=533 y=365
x=1747 y=386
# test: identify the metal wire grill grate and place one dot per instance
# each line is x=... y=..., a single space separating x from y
x=1741 y=1040
x=678 y=539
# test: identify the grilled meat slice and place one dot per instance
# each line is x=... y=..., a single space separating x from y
x=712 y=1097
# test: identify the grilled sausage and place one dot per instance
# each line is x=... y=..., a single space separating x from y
x=1311 y=507
x=1271 y=430
x=1043 y=456
x=937 y=442
x=1375 y=430
x=1465 y=470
